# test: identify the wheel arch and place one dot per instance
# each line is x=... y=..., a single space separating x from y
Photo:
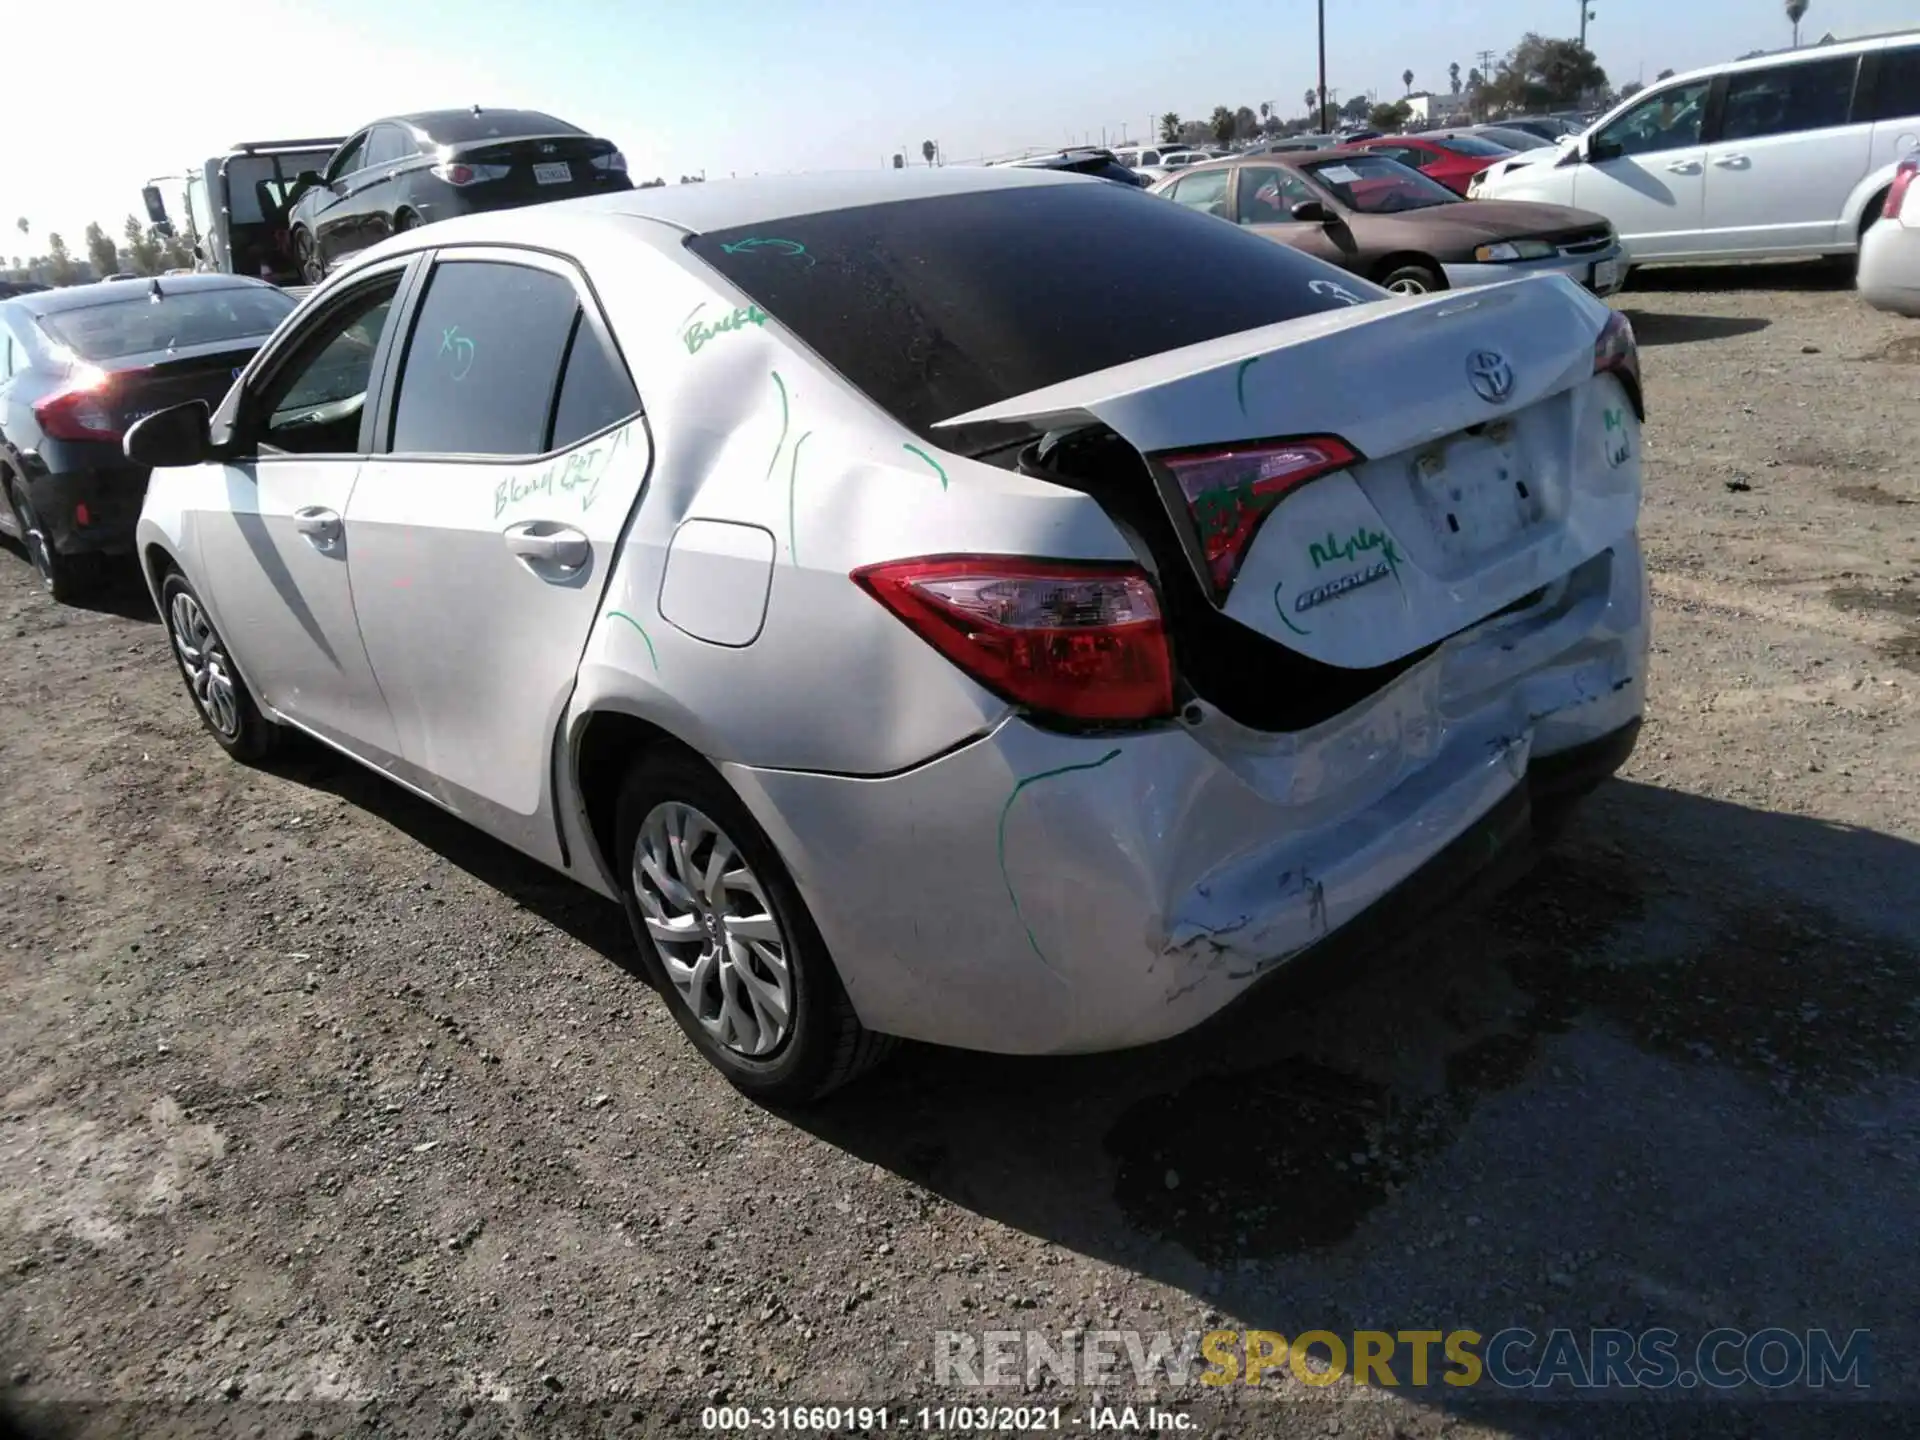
x=605 y=741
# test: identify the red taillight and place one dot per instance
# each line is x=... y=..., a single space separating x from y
x=82 y=409
x=1902 y=182
x=1229 y=492
x=1084 y=642
x=1616 y=352
x=456 y=173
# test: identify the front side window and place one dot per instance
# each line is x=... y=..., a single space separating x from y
x=1786 y=99
x=1268 y=195
x=1669 y=120
x=314 y=405
x=349 y=158
x=1375 y=185
x=479 y=374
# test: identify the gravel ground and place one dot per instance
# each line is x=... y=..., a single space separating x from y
x=319 y=1112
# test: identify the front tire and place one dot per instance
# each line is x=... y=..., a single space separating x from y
x=727 y=940
x=67 y=578
x=1413 y=280
x=225 y=705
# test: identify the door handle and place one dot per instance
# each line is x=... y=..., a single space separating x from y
x=1731 y=162
x=547 y=544
x=318 y=524
x=1685 y=167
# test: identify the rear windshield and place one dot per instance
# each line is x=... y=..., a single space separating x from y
x=1375 y=185
x=1474 y=145
x=139 y=323
x=938 y=306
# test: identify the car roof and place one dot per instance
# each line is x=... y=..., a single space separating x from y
x=724 y=204
x=100 y=292
x=1856 y=46
x=476 y=122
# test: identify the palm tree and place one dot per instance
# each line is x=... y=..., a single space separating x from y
x=1169 y=128
x=22 y=226
x=1453 y=76
x=928 y=150
x=1406 y=79
x=1309 y=100
x=1796 y=11
x=1266 y=109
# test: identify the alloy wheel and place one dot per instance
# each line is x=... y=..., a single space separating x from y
x=717 y=937
x=1407 y=285
x=202 y=657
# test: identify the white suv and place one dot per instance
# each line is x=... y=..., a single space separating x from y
x=1782 y=155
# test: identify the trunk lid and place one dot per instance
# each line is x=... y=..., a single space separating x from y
x=1490 y=459
x=545 y=167
x=142 y=384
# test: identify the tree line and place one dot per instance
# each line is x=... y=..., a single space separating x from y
x=1538 y=74
x=138 y=252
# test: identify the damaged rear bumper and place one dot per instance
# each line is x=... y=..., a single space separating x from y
x=1034 y=892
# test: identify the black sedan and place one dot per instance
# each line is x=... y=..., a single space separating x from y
x=80 y=365
x=414 y=169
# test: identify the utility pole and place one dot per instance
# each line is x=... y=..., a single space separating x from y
x=1322 y=5
x=1585 y=15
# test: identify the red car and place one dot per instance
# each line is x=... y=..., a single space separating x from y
x=1452 y=160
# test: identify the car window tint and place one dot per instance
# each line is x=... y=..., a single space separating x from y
x=385 y=146
x=1478 y=146
x=314 y=406
x=1268 y=195
x=349 y=159
x=480 y=368
x=140 y=324
x=1205 y=191
x=940 y=305
x=1667 y=120
x=594 y=390
x=1896 y=94
x=1788 y=98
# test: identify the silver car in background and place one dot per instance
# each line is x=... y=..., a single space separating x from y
x=926 y=622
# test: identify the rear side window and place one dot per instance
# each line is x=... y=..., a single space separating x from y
x=1788 y=98
x=140 y=323
x=483 y=360
x=934 y=307
x=1896 y=94
x=594 y=389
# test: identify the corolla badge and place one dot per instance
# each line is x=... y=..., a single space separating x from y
x=1490 y=375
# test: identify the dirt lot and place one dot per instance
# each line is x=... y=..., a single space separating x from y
x=320 y=1111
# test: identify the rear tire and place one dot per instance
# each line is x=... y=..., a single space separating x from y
x=404 y=222
x=225 y=705
x=67 y=578
x=1413 y=280
x=745 y=971
x=306 y=258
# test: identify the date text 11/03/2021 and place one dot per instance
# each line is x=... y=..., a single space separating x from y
x=945 y=1419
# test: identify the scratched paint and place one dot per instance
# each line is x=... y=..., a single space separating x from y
x=1001 y=841
x=577 y=474
x=793 y=480
x=774 y=459
x=937 y=468
x=622 y=615
x=699 y=332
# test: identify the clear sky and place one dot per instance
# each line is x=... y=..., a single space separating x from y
x=108 y=93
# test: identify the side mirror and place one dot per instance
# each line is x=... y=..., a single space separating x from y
x=1594 y=151
x=177 y=435
x=156 y=206
x=1312 y=212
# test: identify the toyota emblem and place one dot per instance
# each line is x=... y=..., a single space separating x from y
x=1491 y=375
